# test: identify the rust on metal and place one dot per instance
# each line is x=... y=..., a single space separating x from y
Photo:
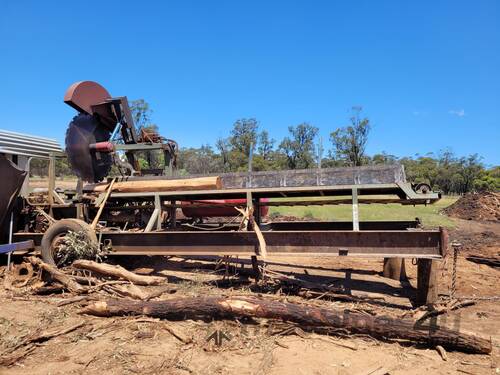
x=375 y=243
x=85 y=94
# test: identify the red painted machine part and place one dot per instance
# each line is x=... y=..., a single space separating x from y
x=102 y=147
x=218 y=211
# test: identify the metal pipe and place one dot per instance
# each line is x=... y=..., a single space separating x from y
x=249 y=181
x=11 y=228
x=355 y=210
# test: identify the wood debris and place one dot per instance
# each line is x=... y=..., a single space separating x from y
x=28 y=344
x=118 y=272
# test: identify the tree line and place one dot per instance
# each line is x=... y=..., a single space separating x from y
x=301 y=148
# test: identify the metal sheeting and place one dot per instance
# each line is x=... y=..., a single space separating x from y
x=12 y=181
x=13 y=143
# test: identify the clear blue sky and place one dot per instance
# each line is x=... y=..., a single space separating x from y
x=427 y=73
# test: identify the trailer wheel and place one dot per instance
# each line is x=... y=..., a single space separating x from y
x=423 y=188
x=54 y=236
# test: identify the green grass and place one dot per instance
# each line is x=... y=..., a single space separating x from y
x=429 y=215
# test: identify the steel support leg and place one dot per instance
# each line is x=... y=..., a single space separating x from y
x=52 y=183
x=355 y=210
x=11 y=228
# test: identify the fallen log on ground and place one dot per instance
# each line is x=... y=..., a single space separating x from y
x=118 y=272
x=66 y=280
x=141 y=186
x=245 y=306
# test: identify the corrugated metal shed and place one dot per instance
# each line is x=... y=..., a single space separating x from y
x=13 y=143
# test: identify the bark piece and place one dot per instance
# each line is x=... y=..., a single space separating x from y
x=310 y=316
x=118 y=272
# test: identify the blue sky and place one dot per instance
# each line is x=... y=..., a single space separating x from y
x=427 y=73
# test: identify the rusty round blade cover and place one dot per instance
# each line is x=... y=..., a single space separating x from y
x=87 y=164
x=84 y=94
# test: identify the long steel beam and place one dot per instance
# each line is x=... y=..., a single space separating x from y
x=289 y=192
x=282 y=239
x=405 y=244
x=339 y=225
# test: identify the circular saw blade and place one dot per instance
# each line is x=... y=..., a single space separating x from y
x=89 y=165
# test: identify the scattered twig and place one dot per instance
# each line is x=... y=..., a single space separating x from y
x=422 y=314
x=169 y=329
x=442 y=352
x=76 y=299
x=28 y=344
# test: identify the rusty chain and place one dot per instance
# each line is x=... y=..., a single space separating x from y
x=456 y=249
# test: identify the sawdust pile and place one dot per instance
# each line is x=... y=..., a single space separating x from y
x=484 y=206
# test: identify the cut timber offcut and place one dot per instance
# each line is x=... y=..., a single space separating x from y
x=145 y=186
x=58 y=275
x=307 y=316
x=118 y=272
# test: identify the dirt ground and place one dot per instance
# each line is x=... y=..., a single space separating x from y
x=483 y=206
x=124 y=345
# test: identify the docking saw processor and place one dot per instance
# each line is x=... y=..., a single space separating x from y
x=90 y=138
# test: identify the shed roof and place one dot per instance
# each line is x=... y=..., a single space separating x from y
x=13 y=143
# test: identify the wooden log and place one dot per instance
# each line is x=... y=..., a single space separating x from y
x=118 y=272
x=58 y=275
x=427 y=287
x=394 y=268
x=143 y=186
x=219 y=307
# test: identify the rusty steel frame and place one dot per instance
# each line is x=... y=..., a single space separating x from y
x=403 y=190
x=424 y=244
x=404 y=244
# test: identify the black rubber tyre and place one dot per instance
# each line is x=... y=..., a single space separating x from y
x=423 y=188
x=57 y=231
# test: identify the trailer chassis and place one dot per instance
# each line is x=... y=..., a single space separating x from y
x=372 y=239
